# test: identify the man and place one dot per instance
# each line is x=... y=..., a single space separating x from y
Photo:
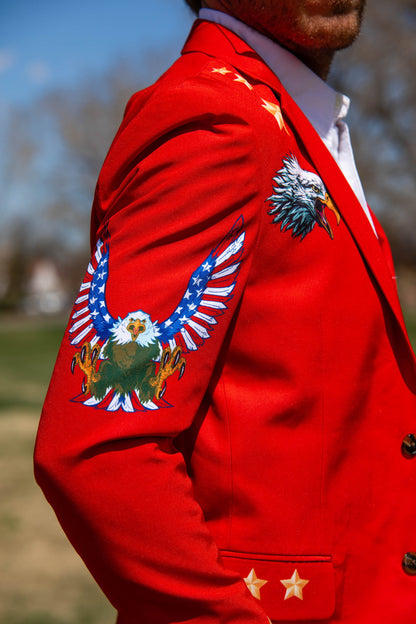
x=227 y=437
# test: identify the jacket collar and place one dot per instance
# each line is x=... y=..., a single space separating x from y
x=322 y=105
x=220 y=43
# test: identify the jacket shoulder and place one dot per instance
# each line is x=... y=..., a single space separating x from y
x=205 y=101
x=199 y=85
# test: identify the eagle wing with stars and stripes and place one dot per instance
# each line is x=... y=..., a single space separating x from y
x=206 y=296
x=92 y=321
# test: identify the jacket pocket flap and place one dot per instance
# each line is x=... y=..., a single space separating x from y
x=300 y=587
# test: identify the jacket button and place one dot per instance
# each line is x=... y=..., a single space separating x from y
x=409 y=446
x=409 y=563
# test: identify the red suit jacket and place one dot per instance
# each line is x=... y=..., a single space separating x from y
x=226 y=434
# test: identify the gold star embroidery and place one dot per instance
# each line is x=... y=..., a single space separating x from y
x=243 y=81
x=294 y=586
x=221 y=70
x=274 y=109
x=254 y=584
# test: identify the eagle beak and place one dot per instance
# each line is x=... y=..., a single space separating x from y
x=322 y=220
x=136 y=327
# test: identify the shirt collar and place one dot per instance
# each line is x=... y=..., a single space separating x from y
x=321 y=104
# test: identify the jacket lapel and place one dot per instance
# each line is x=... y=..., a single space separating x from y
x=346 y=201
x=373 y=250
x=218 y=42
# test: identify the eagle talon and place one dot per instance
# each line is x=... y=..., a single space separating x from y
x=166 y=357
x=94 y=355
x=170 y=362
x=83 y=353
x=162 y=391
x=86 y=360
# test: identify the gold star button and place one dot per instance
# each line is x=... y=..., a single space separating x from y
x=254 y=584
x=294 y=586
x=243 y=81
x=221 y=70
x=274 y=109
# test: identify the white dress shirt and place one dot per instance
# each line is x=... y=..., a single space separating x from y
x=323 y=106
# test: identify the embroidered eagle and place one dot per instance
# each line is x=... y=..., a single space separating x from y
x=126 y=361
x=299 y=200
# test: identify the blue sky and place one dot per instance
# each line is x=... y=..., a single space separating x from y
x=45 y=43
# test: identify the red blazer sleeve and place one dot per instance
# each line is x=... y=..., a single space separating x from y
x=177 y=196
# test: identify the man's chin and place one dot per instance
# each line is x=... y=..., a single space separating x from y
x=340 y=32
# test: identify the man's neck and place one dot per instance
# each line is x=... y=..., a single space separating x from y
x=319 y=62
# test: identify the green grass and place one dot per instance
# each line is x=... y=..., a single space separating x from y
x=96 y=613
x=411 y=328
x=28 y=352
x=43 y=581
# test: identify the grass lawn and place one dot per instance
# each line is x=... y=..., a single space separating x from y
x=43 y=580
x=28 y=352
x=411 y=328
